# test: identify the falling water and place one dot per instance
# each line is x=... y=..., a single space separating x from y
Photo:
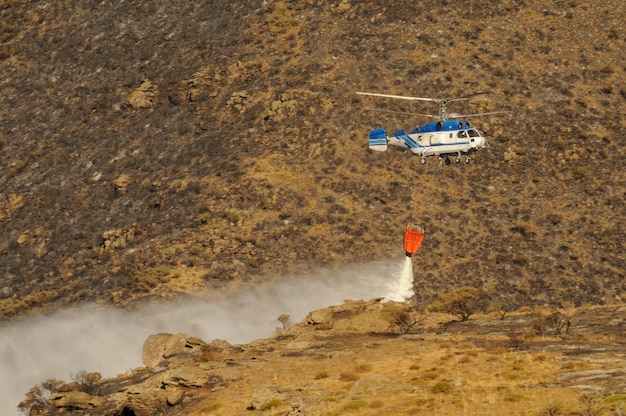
x=401 y=288
x=109 y=341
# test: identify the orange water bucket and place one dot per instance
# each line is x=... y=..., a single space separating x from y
x=413 y=236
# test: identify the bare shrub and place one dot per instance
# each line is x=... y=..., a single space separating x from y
x=322 y=374
x=86 y=381
x=404 y=320
x=363 y=368
x=516 y=340
x=554 y=323
x=207 y=353
x=37 y=398
x=79 y=377
x=284 y=319
x=558 y=323
x=462 y=302
x=441 y=387
x=590 y=405
x=552 y=410
x=348 y=376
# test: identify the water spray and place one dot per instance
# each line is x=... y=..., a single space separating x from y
x=401 y=289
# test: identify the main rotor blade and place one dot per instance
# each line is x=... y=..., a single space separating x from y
x=402 y=97
x=477 y=114
x=380 y=110
x=436 y=100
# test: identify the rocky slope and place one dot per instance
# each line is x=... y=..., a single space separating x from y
x=360 y=358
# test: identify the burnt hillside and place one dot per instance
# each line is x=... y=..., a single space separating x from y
x=153 y=148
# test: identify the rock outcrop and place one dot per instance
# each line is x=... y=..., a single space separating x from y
x=363 y=361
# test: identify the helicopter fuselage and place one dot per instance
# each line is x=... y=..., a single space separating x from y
x=442 y=138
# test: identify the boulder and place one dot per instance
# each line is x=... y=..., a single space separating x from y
x=76 y=400
x=185 y=377
x=175 y=345
x=121 y=183
x=175 y=397
x=263 y=398
x=153 y=348
x=145 y=96
x=161 y=346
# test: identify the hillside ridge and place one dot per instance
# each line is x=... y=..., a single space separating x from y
x=359 y=357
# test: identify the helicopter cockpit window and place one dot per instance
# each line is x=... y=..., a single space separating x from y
x=462 y=134
x=473 y=133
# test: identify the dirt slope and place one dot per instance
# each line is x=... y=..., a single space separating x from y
x=153 y=148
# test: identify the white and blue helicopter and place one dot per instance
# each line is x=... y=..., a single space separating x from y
x=443 y=138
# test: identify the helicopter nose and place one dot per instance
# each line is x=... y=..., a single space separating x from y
x=478 y=142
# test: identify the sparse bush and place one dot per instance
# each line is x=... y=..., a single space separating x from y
x=431 y=374
x=590 y=405
x=462 y=302
x=212 y=406
x=203 y=218
x=348 y=376
x=558 y=323
x=363 y=368
x=511 y=375
x=354 y=405
x=404 y=320
x=514 y=397
x=377 y=404
x=10 y=306
x=37 y=398
x=617 y=403
x=86 y=381
x=465 y=360
x=322 y=374
x=284 y=319
x=441 y=387
x=420 y=401
x=552 y=410
x=207 y=353
x=516 y=340
x=270 y=404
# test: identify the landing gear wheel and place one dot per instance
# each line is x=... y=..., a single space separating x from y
x=423 y=161
x=467 y=160
x=447 y=161
x=458 y=159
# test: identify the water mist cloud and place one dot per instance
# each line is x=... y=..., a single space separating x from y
x=109 y=341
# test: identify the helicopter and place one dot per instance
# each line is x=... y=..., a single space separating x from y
x=445 y=137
